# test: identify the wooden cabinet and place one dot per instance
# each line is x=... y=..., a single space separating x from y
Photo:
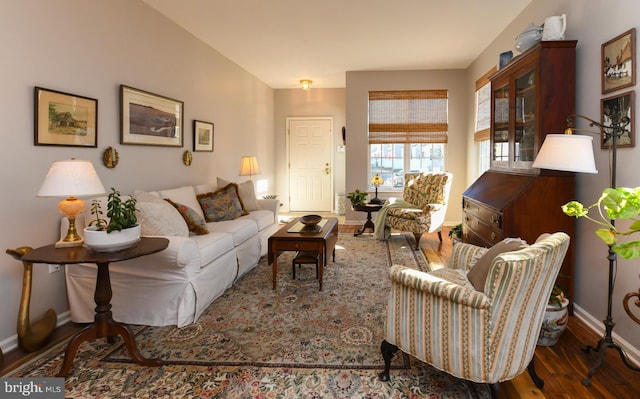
x=531 y=97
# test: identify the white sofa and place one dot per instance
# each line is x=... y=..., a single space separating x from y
x=174 y=286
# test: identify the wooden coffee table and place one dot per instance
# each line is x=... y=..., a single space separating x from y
x=323 y=242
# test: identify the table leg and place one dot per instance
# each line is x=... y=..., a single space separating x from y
x=274 y=269
x=104 y=326
x=321 y=264
x=367 y=225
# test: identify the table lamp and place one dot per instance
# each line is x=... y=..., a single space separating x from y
x=249 y=167
x=376 y=181
x=71 y=179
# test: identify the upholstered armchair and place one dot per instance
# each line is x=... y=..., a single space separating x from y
x=422 y=209
x=485 y=334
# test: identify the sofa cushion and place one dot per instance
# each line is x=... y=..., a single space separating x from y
x=157 y=218
x=246 y=191
x=222 y=204
x=262 y=217
x=241 y=229
x=213 y=245
x=183 y=195
x=195 y=222
x=479 y=272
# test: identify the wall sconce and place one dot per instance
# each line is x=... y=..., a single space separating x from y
x=305 y=84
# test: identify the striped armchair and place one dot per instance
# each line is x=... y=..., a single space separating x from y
x=423 y=207
x=441 y=319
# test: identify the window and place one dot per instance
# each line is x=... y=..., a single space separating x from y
x=483 y=121
x=407 y=133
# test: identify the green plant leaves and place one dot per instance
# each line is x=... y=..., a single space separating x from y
x=621 y=203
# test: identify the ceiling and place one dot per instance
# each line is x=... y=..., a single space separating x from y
x=284 y=41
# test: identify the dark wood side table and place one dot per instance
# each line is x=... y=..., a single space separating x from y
x=103 y=324
x=322 y=242
x=369 y=223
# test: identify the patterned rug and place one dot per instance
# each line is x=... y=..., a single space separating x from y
x=254 y=342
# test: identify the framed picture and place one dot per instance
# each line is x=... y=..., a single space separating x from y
x=612 y=110
x=619 y=62
x=150 y=119
x=202 y=136
x=65 y=119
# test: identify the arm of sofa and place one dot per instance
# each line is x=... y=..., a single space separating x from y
x=272 y=205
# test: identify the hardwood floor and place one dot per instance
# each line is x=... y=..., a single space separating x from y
x=562 y=367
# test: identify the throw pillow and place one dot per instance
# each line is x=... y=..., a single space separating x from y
x=158 y=218
x=195 y=223
x=247 y=194
x=222 y=204
x=479 y=272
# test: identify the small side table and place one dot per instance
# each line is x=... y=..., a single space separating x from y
x=103 y=324
x=369 y=223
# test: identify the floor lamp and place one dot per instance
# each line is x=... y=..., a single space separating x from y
x=574 y=153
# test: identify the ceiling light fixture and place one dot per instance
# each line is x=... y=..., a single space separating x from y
x=305 y=84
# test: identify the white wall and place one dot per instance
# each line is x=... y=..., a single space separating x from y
x=358 y=86
x=89 y=48
x=592 y=25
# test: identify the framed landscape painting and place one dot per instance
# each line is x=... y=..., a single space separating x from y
x=619 y=62
x=65 y=119
x=150 y=119
x=202 y=136
x=613 y=110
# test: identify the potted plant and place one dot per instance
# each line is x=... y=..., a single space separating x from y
x=455 y=233
x=620 y=203
x=357 y=197
x=121 y=231
x=556 y=317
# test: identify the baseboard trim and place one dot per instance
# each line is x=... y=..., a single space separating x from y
x=598 y=327
x=11 y=343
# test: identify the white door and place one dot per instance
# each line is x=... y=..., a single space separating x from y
x=310 y=164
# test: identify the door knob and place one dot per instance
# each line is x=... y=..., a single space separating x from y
x=327 y=169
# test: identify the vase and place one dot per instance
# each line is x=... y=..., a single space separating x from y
x=554 y=323
x=101 y=241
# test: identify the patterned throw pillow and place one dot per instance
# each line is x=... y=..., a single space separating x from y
x=247 y=194
x=222 y=204
x=195 y=223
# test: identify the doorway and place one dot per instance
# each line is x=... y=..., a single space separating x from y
x=310 y=161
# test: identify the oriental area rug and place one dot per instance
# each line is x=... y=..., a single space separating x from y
x=254 y=342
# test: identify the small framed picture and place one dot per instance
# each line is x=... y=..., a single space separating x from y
x=613 y=110
x=202 y=136
x=150 y=119
x=65 y=119
x=619 y=62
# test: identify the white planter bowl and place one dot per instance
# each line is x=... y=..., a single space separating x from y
x=101 y=241
x=554 y=323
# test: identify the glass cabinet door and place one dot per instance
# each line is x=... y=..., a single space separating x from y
x=525 y=120
x=500 y=131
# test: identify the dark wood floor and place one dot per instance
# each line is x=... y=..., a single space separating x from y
x=562 y=366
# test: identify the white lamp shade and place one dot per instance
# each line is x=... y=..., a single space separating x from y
x=249 y=166
x=71 y=178
x=568 y=152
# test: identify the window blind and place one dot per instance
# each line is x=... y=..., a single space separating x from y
x=408 y=116
x=483 y=107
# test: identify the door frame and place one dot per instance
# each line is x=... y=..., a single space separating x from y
x=288 y=157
